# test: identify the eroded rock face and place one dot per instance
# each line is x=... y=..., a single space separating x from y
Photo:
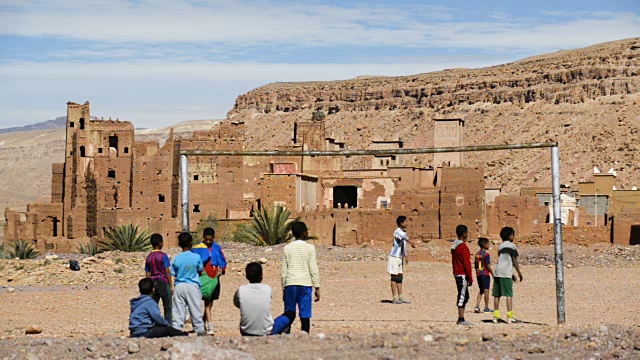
x=585 y=99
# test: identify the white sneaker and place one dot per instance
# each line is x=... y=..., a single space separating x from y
x=210 y=330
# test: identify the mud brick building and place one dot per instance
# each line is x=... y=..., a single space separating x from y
x=109 y=179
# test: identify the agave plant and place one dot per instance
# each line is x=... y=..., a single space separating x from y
x=267 y=228
x=90 y=248
x=127 y=238
x=22 y=249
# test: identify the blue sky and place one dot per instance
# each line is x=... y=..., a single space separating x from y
x=163 y=61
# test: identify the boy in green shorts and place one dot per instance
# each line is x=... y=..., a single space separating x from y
x=504 y=276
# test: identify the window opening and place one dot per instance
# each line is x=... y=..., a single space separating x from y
x=81 y=123
x=196 y=208
x=111 y=174
x=347 y=196
x=161 y=198
x=82 y=151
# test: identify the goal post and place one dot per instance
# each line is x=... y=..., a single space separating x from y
x=555 y=177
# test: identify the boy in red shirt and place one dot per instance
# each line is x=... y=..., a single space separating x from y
x=461 y=262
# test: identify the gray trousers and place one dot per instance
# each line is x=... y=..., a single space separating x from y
x=187 y=295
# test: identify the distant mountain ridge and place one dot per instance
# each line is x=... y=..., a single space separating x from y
x=57 y=123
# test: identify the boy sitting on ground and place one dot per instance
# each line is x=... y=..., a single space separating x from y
x=254 y=302
x=145 y=319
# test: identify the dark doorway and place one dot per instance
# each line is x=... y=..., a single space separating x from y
x=81 y=123
x=113 y=142
x=346 y=196
x=55 y=221
x=82 y=151
x=634 y=239
x=333 y=241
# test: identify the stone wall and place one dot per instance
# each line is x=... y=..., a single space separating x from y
x=461 y=201
x=521 y=213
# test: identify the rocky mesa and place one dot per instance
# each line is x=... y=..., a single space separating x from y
x=586 y=99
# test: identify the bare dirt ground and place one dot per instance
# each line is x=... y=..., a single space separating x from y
x=85 y=314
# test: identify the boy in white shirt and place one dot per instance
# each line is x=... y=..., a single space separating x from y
x=395 y=264
x=254 y=302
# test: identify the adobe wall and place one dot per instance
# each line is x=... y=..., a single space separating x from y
x=48 y=220
x=168 y=228
x=461 y=200
x=519 y=212
x=279 y=189
x=57 y=182
x=626 y=228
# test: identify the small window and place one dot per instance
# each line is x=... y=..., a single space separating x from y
x=71 y=152
x=113 y=142
x=195 y=177
x=71 y=124
x=99 y=150
x=81 y=123
x=161 y=198
x=384 y=204
x=196 y=208
x=111 y=174
x=82 y=151
x=126 y=150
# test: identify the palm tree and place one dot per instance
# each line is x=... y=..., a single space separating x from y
x=22 y=249
x=267 y=228
x=126 y=238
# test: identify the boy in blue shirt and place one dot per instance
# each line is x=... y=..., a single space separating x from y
x=215 y=265
x=145 y=319
x=186 y=268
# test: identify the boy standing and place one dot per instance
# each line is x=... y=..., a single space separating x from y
x=158 y=268
x=483 y=270
x=186 y=268
x=254 y=302
x=461 y=261
x=398 y=254
x=299 y=276
x=504 y=276
x=145 y=319
x=215 y=265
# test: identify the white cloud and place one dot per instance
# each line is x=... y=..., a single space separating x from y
x=154 y=94
x=240 y=24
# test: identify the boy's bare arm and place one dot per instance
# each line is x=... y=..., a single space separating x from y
x=148 y=274
x=490 y=270
x=517 y=266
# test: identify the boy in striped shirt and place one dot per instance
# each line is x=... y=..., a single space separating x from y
x=300 y=276
x=399 y=254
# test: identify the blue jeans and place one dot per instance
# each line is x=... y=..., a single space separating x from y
x=299 y=296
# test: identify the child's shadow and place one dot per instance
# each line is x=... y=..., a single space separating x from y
x=519 y=322
x=386 y=301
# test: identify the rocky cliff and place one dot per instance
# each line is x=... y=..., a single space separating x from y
x=586 y=99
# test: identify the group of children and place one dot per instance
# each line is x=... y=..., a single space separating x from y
x=194 y=276
x=462 y=271
x=182 y=285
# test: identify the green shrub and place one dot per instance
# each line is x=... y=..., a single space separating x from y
x=126 y=238
x=22 y=249
x=90 y=248
x=266 y=228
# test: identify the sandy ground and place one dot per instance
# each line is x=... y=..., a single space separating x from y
x=352 y=306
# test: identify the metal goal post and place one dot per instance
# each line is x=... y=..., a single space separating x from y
x=555 y=176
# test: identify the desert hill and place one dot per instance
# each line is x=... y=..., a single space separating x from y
x=57 y=123
x=586 y=99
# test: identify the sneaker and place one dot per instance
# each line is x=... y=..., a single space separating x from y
x=496 y=320
x=487 y=311
x=404 y=301
x=477 y=310
x=464 y=323
x=396 y=301
x=512 y=321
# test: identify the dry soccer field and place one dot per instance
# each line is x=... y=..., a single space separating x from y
x=85 y=314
